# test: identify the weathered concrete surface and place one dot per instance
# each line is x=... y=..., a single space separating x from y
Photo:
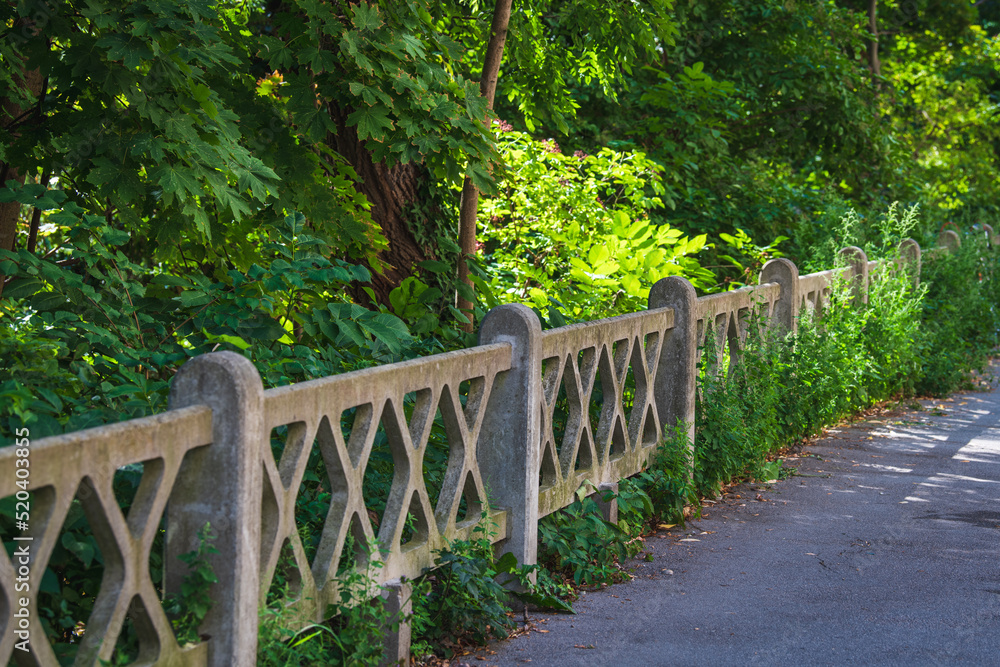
x=887 y=553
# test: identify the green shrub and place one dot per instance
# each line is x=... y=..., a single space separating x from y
x=353 y=636
x=736 y=411
x=788 y=387
x=960 y=318
x=667 y=479
x=581 y=232
x=460 y=599
x=578 y=542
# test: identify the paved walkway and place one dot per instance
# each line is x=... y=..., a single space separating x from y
x=886 y=550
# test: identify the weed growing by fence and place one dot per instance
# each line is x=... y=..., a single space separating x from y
x=958 y=333
x=667 y=481
x=460 y=600
x=580 y=544
x=735 y=424
x=786 y=388
x=353 y=635
x=188 y=608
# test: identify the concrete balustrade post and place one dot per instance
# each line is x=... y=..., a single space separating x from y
x=510 y=438
x=675 y=382
x=857 y=263
x=609 y=509
x=909 y=256
x=396 y=596
x=220 y=484
x=786 y=274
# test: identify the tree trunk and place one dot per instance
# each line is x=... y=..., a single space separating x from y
x=11 y=113
x=873 y=62
x=470 y=193
x=389 y=190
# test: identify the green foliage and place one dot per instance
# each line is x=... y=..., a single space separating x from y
x=667 y=479
x=387 y=70
x=354 y=635
x=944 y=74
x=960 y=316
x=117 y=332
x=758 y=112
x=430 y=312
x=460 y=598
x=878 y=235
x=559 y=44
x=579 y=542
x=575 y=232
x=188 y=608
x=785 y=388
x=747 y=257
x=152 y=118
x=279 y=644
x=537 y=586
x=72 y=578
x=735 y=415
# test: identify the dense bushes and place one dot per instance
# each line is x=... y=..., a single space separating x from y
x=960 y=316
x=89 y=337
x=906 y=340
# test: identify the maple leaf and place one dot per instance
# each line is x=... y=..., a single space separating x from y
x=372 y=122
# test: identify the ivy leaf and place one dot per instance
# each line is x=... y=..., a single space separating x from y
x=465 y=292
x=545 y=601
x=435 y=266
x=507 y=564
x=82 y=549
x=194 y=298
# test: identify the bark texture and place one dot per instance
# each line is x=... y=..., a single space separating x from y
x=389 y=190
x=873 y=61
x=13 y=115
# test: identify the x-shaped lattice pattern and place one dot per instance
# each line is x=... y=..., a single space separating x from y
x=82 y=465
x=815 y=291
x=727 y=316
x=617 y=445
x=312 y=412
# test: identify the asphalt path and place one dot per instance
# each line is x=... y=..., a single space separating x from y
x=882 y=549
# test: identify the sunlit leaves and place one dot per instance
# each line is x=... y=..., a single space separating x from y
x=577 y=230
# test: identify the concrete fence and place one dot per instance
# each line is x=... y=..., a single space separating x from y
x=529 y=416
